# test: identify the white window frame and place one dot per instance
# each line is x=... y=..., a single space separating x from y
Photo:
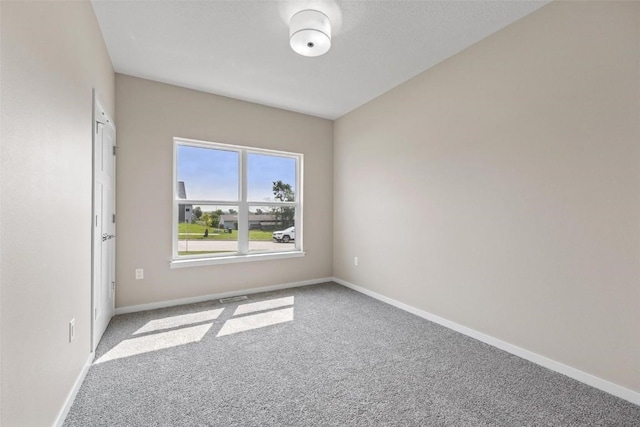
x=243 y=205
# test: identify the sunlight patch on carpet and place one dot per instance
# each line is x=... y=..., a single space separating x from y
x=160 y=341
x=256 y=321
x=263 y=305
x=182 y=320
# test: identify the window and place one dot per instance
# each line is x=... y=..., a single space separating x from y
x=234 y=203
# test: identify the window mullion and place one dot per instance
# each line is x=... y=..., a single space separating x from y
x=243 y=208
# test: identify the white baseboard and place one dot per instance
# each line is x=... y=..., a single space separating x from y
x=74 y=391
x=576 y=374
x=182 y=301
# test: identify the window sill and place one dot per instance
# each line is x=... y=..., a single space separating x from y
x=197 y=262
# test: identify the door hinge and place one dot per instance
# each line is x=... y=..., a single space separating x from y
x=114 y=150
x=114 y=218
x=113 y=286
x=95 y=313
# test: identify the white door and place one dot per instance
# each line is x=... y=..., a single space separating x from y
x=104 y=221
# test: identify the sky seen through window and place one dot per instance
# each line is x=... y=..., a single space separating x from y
x=212 y=174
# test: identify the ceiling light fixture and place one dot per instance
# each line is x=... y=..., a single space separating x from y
x=310 y=33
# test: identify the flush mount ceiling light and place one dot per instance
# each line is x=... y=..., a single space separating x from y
x=310 y=33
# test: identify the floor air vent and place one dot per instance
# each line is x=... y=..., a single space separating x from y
x=233 y=299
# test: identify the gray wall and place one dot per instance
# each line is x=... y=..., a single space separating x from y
x=149 y=115
x=52 y=55
x=515 y=167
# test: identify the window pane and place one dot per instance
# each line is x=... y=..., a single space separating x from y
x=207 y=229
x=271 y=178
x=271 y=229
x=207 y=174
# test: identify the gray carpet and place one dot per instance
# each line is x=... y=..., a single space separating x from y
x=344 y=360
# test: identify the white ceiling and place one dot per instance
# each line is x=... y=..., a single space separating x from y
x=240 y=49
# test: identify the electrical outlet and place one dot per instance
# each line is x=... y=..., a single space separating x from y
x=72 y=329
x=355 y=261
x=139 y=273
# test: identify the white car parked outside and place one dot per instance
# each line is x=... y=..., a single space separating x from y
x=285 y=236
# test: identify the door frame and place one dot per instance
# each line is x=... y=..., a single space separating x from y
x=99 y=114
